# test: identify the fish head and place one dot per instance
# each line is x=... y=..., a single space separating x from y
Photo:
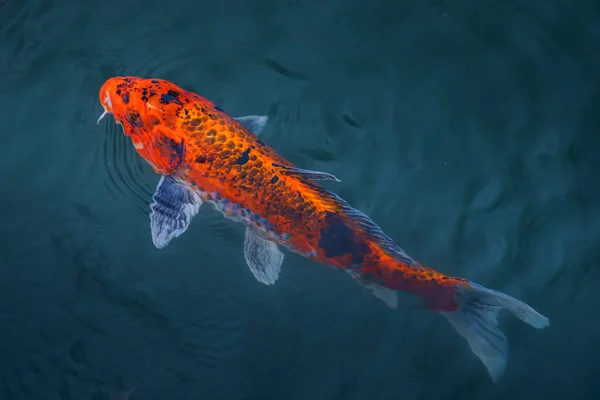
x=151 y=122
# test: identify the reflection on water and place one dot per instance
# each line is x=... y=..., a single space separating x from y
x=466 y=130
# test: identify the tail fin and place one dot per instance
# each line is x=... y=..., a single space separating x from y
x=476 y=321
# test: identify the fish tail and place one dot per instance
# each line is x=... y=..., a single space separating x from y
x=476 y=320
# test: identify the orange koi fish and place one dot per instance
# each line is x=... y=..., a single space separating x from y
x=205 y=155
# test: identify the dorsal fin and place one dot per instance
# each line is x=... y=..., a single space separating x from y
x=306 y=173
x=370 y=227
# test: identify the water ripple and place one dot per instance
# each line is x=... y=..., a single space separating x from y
x=467 y=130
x=125 y=173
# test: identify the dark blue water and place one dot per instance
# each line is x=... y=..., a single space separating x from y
x=468 y=130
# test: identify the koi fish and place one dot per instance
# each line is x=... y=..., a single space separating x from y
x=204 y=155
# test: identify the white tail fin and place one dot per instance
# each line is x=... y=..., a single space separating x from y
x=476 y=321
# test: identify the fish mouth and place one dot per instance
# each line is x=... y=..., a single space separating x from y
x=107 y=105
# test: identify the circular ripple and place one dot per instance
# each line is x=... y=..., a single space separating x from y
x=126 y=175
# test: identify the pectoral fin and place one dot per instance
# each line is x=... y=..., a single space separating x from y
x=263 y=257
x=388 y=296
x=306 y=173
x=254 y=123
x=173 y=208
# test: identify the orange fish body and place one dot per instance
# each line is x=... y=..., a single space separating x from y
x=205 y=155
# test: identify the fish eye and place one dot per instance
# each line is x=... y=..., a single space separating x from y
x=134 y=118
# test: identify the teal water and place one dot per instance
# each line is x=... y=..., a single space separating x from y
x=469 y=131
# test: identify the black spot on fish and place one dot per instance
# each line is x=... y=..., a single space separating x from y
x=201 y=159
x=125 y=98
x=337 y=239
x=274 y=179
x=154 y=81
x=170 y=97
x=260 y=142
x=121 y=87
x=219 y=109
x=243 y=158
x=173 y=148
